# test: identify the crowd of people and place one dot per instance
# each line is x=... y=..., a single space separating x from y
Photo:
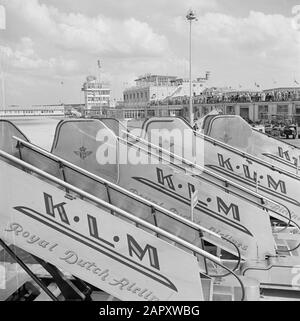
x=244 y=97
x=215 y=97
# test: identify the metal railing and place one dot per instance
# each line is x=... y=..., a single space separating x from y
x=111 y=208
x=227 y=183
x=247 y=156
x=294 y=166
x=62 y=163
x=154 y=208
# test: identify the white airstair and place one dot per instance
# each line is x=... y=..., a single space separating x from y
x=236 y=132
x=70 y=230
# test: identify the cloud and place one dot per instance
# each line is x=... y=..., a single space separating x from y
x=25 y=58
x=47 y=40
x=140 y=9
x=93 y=35
x=257 y=47
x=260 y=34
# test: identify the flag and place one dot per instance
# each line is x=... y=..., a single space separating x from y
x=257 y=85
x=296 y=82
x=99 y=64
x=2 y=18
x=194 y=199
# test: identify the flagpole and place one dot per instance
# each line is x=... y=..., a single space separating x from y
x=62 y=93
x=99 y=71
x=190 y=17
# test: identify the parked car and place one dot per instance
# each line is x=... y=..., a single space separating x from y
x=268 y=129
x=259 y=128
x=277 y=131
x=290 y=130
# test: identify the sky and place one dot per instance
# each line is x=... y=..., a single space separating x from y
x=49 y=47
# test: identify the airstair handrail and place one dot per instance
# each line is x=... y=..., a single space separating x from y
x=246 y=155
x=140 y=199
x=286 y=162
x=209 y=172
x=117 y=187
x=139 y=222
x=290 y=220
x=262 y=133
x=130 y=194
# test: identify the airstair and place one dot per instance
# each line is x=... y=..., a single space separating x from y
x=84 y=242
x=236 y=132
x=247 y=170
x=276 y=187
x=165 y=183
x=230 y=214
x=287 y=239
x=258 y=256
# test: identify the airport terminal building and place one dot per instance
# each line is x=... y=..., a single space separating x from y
x=140 y=102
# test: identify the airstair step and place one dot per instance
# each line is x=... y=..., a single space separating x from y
x=102 y=296
x=223 y=297
x=207 y=288
x=222 y=289
x=230 y=286
x=23 y=255
x=44 y=297
x=223 y=292
x=12 y=280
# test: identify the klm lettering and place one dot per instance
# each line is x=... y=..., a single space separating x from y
x=59 y=208
x=223 y=208
x=225 y=163
x=93 y=227
x=285 y=155
x=248 y=174
x=165 y=180
x=275 y=185
x=136 y=249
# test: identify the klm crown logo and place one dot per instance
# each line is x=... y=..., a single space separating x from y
x=83 y=153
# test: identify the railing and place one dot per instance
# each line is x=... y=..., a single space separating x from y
x=246 y=155
x=226 y=182
x=113 y=209
x=12 y=254
x=155 y=209
x=63 y=164
x=265 y=134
